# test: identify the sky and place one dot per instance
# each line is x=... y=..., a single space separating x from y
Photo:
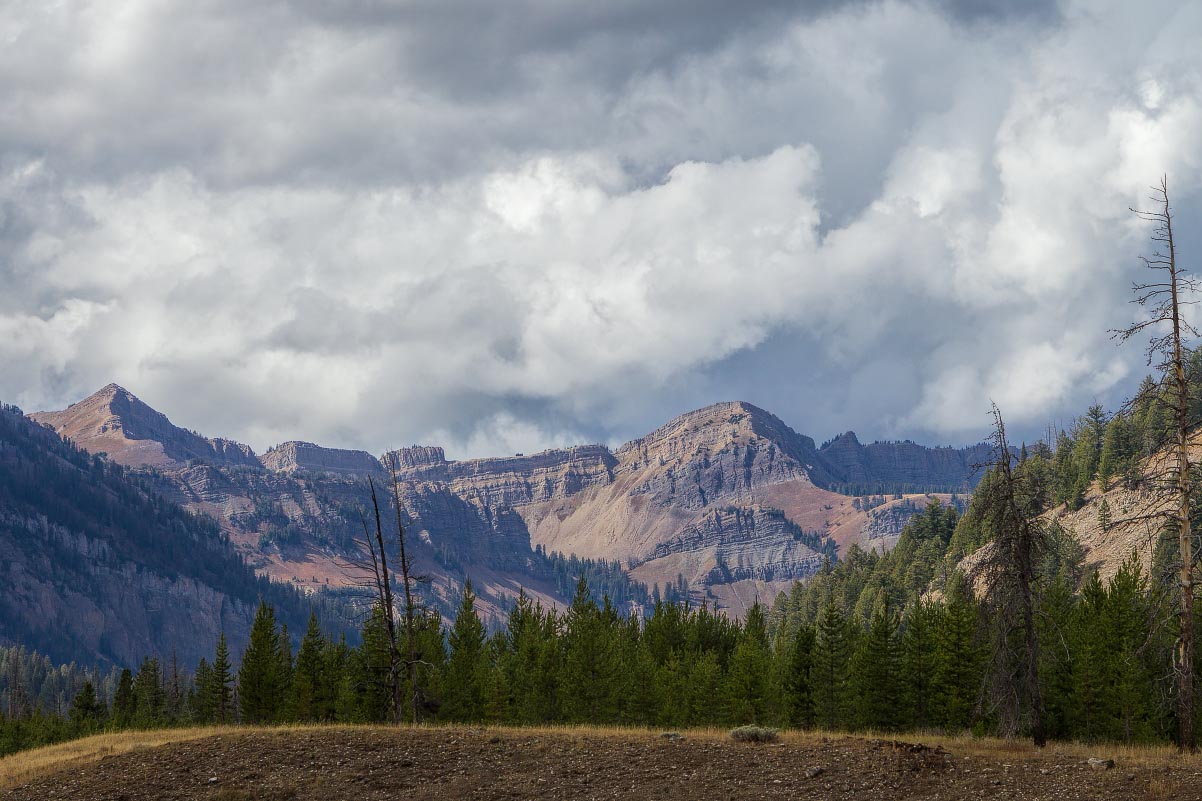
x=502 y=227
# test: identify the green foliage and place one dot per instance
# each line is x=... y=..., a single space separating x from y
x=262 y=681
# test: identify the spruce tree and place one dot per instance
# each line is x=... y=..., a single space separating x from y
x=464 y=690
x=874 y=674
x=747 y=675
x=87 y=711
x=199 y=698
x=220 y=689
x=797 y=690
x=917 y=661
x=259 y=679
x=829 y=671
x=590 y=667
x=124 y=702
x=957 y=658
x=309 y=679
x=149 y=697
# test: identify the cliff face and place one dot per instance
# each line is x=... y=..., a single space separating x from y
x=717 y=498
x=301 y=456
x=902 y=466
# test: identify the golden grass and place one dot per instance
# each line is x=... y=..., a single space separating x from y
x=20 y=768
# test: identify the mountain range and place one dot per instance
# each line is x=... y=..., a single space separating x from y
x=723 y=504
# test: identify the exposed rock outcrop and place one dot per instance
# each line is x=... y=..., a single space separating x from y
x=291 y=457
x=902 y=466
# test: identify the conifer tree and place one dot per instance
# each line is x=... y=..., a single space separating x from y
x=748 y=673
x=259 y=676
x=1171 y=480
x=957 y=658
x=309 y=680
x=829 y=671
x=149 y=698
x=638 y=697
x=1127 y=624
x=704 y=684
x=464 y=693
x=590 y=668
x=1091 y=693
x=220 y=689
x=199 y=704
x=874 y=674
x=124 y=701
x=284 y=670
x=797 y=655
x=335 y=671
x=87 y=711
x=917 y=664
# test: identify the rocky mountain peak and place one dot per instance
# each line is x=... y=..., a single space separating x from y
x=116 y=422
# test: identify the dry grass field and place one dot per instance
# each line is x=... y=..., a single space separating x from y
x=306 y=763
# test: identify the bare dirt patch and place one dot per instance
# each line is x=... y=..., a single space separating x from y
x=386 y=763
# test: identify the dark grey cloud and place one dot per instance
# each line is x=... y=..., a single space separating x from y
x=505 y=226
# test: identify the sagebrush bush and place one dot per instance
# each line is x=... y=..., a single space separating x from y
x=755 y=734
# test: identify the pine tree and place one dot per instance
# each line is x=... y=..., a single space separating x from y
x=957 y=658
x=746 y=686
x=87 y=711
x=259 y=679
x=874 y=674
x=370 y=673
x=220 y=688
x=797 y=655
x=149 y=697
x=1091 y=671
x=829 y=671
x=590 y=669
x=309 y=679
x=284 y=669
x=124 y=702
x=638 y=699
x=199 y=697
x=917 y=662
x=464 y=691
x=1127 y=623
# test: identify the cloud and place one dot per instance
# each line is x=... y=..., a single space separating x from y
x=373 y=224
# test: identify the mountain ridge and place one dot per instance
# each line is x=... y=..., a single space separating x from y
x=654 y=504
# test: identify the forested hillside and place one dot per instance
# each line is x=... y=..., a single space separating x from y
x=97 y=567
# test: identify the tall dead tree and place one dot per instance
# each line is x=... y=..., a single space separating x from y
x=384 y=581
x=1167 y=478
x=408 y=581
x=383 y=588
x=1010 y=507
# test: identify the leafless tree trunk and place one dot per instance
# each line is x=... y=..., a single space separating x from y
x=384 y=597
x=408 y=579
x=1011 y=510
x=1169 y=478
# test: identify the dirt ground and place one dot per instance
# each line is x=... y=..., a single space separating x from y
x=366 y=764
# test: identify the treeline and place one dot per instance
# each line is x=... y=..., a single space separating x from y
x=860 y=646
x=605 y=578
x=1111 y=448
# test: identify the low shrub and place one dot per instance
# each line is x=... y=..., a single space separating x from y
x=755 y=734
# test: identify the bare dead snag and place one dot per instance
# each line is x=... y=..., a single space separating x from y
x=1169 y=480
